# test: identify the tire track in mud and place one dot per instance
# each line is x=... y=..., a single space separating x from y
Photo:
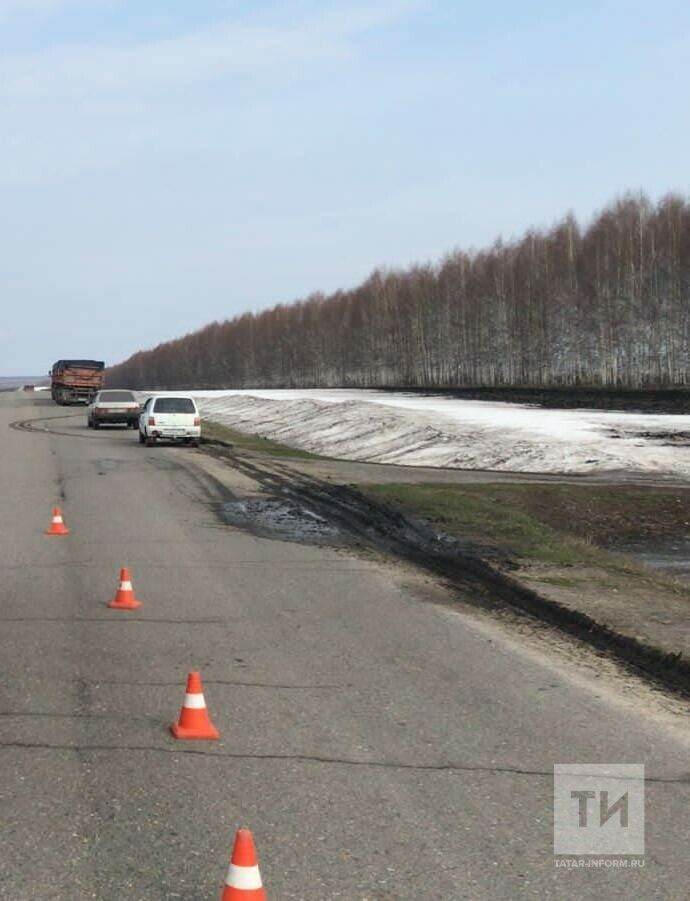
x=30 y=425
x=390 y=531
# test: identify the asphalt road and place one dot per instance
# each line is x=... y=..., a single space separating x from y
x=380 y=745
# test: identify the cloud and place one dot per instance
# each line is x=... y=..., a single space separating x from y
x=71 y=111
x=219 y=51
x=10 y=9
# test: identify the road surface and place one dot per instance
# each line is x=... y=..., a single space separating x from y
x=380 y=744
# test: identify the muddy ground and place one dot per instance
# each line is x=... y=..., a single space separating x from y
x=619 y=608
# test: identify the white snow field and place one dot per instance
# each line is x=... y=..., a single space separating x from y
x=410 y=429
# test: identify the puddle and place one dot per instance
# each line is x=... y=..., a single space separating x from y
x=672 y=556
x=275 y=518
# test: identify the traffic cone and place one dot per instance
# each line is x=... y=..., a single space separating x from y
x=57 y=526
x=243 y=881
x=194 y=720
x=124 y=596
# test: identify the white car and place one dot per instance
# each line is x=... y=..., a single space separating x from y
x=170 y=419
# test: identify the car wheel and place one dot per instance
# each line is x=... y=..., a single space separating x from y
x=195 y=442
x=89 y=424
x=149 y=442
x=141 y=437
x=96 y=424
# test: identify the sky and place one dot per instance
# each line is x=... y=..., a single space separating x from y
x=168 y=163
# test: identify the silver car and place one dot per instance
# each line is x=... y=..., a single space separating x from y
x=113 y=406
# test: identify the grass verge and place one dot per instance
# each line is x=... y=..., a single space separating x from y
x=554 y=526
x=214 y=431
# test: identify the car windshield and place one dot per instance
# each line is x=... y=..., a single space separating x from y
x=174 y=405
x=116 y=397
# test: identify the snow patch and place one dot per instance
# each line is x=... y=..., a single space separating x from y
x=416 y=430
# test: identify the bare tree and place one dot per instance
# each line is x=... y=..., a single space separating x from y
x=608 y=305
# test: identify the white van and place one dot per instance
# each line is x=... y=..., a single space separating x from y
x=170 y=419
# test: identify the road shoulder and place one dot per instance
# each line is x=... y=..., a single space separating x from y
x=567 y=576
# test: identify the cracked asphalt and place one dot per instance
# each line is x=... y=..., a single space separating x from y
x=379 y=744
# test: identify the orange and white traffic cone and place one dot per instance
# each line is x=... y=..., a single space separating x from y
x=194 y=721
x=243 y=881
x=57 y=525
x=124 y=596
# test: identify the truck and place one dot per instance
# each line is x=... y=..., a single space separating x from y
x=76 y=381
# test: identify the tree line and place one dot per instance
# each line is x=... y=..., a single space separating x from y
x=605 y=305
